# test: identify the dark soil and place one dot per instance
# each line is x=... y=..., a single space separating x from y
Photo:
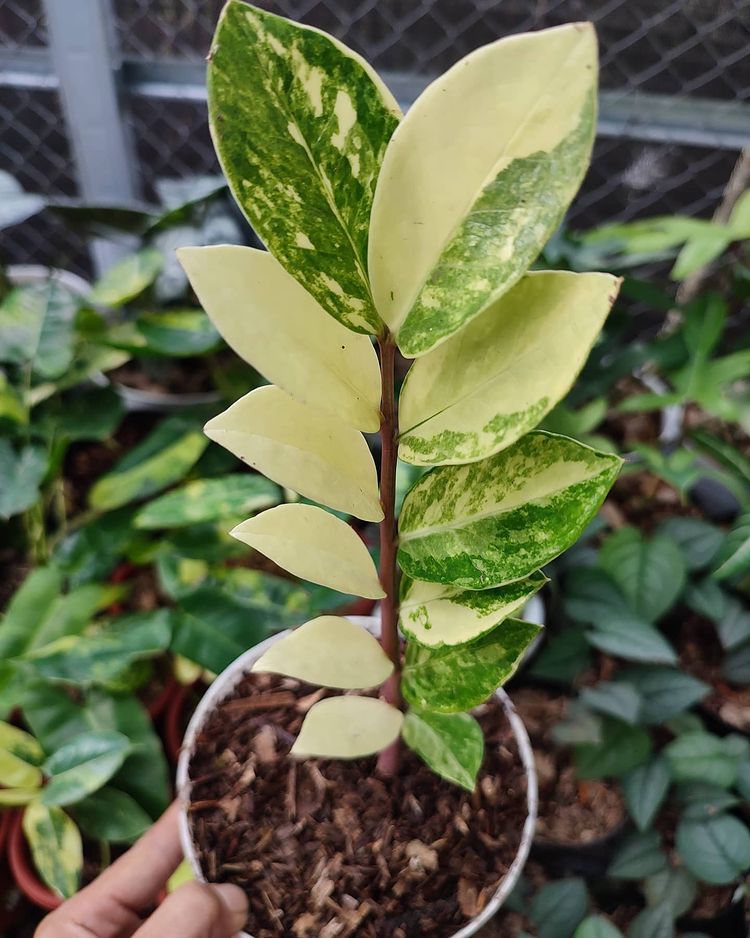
x=571 y=811
x=326 y=848
x=642 y=499
x=166 y=376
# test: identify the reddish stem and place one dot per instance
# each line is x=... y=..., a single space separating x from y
x=388 y=762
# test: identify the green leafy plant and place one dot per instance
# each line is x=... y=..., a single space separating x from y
x=372 y=232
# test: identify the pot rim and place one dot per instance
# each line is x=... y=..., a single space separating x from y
x=223 y=686
x=22 y=870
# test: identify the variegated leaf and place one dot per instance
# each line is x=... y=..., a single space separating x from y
x=56 y=847
x=314 y=545
x=300 y=123
x=276 y=326
x=434 y=614
x=302 y=449
x=347 y=728
x=329 y=651
x=17 y=797
x=484 y=388
x=17 y=773
x=84 y=765
x=477 y=177
x=451 y=744
x=21 y=744
x=492 y=522
x=460 y=677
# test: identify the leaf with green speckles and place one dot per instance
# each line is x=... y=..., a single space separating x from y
x=56 y=847
x=126 y=280
x=83 y=765
x=302 y=449
x=476 y=179
x=494 y=381
x=275 y=325
x=460 y=677
x=207 y=500
x=451 y=744
x=492 y=522
x=313 y=544
x=300 y=124
x=434 y=614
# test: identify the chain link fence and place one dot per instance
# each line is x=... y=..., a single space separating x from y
x=656 y=56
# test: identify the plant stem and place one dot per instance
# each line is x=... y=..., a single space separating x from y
x=389 y=759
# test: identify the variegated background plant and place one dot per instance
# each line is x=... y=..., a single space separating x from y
x=419 y=231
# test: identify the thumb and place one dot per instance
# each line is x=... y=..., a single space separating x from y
x=197 y=910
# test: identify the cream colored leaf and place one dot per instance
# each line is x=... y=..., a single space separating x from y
x=329 y=651
x=434 y=614
x=477 y=177
x=347 y=728
x=21 y=744
x=314 y=545
x=493 y=382
x=303 y=449
x=275 y=325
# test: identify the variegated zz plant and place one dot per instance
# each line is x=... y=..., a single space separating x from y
x=419 y=231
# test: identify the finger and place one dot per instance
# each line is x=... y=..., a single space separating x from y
x=114 y=904
x=198 y=911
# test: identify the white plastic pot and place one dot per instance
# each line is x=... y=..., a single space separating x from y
x=222 y=688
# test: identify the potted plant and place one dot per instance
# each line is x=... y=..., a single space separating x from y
x=417 y=231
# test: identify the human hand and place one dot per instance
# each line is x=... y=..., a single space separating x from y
x=118 y=904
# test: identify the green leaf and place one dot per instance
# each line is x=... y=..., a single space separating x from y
x=56 y=847
x=38 y=328
x=498 y=520
x=86 y=414
x=483 y=389
x=615 y=699
x=451 y=744
x=707 y=598
x=622 y=748
x=301 y=448
x=698 y=540
x=579 y=725
x=739 y=220
x=725 y=453
x=313 y=544
x=127 y=279
x=209 y=500
x=435 y=615
x=163 y=458
x=734 y=625
x=704 y=800
x=645 y=788
x=285 y=334
x=665 y=692
x=178 y=333
x=632 y=640
x=717 y=851
x=595 y=926
x=32 y=601
x=734 y=557
x=592 y=596
x=22 y=472
x=675 y=887
x=15 y=772
x=347 y=727
x=112 y=815
x=650 y=573
x=91 y=552
x=701 y=757
x=212 y=628
x=736 y=666
x=82 y=766
x=300 y=124
x=558 y=908
x=329 y=651
x=103 y=656
x=699 y=251
x=445 y=244
x=653 y=923
x=639 y=855
x=17 y=797
x=455 y=678
x=563 y=657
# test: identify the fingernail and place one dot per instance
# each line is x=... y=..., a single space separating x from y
x=235 y=900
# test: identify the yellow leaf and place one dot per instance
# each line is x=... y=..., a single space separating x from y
x=477 y=177
x=495 y=380
x=329 y=651
x=347 y=728
x=301 y=448
x=16 y=773
x=276 y=326
x=56 y=847
x=314 y=545
x=17 y=797
x=21 y=744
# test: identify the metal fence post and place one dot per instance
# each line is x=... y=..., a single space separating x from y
x=82 y=44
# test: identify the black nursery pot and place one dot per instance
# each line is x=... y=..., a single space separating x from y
x=588 y=860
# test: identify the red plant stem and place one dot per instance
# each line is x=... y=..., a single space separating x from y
x=388 y=762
